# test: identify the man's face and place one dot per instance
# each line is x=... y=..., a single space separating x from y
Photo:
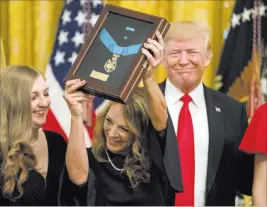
x=185 y=61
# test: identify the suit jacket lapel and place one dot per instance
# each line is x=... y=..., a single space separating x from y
x=216 y=136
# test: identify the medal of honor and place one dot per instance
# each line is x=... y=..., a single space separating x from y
x=116 y=50
x=111 y=64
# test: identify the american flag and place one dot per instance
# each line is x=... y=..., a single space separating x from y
x=76 y=21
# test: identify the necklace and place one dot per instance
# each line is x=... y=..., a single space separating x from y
x=118 y=169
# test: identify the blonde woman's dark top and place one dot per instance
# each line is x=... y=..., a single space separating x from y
x=37 y=190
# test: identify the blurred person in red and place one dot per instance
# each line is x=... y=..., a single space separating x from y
x=255 y=142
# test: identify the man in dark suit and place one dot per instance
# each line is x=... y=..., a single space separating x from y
x=212 y=167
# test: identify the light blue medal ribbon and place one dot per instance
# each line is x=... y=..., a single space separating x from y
x=116 y=50
x=109 y=42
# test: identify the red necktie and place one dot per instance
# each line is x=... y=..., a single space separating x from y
x=185 y=139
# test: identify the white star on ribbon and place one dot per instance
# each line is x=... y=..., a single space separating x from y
x=63 y=37
x=80 y=18
x=246 y=15
x=93 y=19
x=78 y=39
x=59 y=57
x=236 y=20
x=73 y=57
x=66 y=17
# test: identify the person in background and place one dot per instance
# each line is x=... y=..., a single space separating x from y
x=31 y=160
x=255 y=142
x=205 y=127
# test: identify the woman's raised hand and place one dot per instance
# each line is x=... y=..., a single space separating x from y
x=74 y=98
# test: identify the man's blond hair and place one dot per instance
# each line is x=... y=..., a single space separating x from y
x=188 y=29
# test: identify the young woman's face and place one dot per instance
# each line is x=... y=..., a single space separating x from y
x=118 y=136
x=40 y=102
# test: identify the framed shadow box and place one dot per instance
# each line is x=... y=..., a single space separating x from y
x=111 y=60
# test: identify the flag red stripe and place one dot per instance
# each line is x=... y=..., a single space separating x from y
x=53 y=125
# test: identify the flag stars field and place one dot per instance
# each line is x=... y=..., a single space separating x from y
x=80 y=18
x=78 y=39
x=73 y=57
x=236 y=20
x=96 y=3
x=245 y=15
x=59 y=57
x=63 y=37
x=66 y=17
x=93 y=18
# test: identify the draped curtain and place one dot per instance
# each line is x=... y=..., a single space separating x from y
x=28 y=27
x=28 y=30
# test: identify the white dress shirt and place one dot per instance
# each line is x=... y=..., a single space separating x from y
x=199 y=116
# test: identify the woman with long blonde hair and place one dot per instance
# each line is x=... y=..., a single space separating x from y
x=136 y=163
x=31 y=159
x=124 y=166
